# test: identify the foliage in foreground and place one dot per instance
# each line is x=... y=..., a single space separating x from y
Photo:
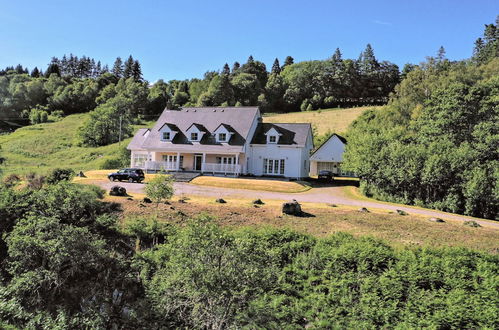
x=65 y=264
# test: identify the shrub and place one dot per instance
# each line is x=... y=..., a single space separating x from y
x=11 y=180
x=160 y=188
x=60 y=174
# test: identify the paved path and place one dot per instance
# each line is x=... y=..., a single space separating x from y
x=326 y=194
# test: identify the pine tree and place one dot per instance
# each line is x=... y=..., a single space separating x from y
x=337 y=57
x=276 y=68
x=235 y=67
x=128 y=70
x=64 y=65
x=250 y=59
x=53 y=68
x=288 y=61
x=367 y=62
x=136 y=71
x=105 y=69
x=118 y=68
x=98 y=69
x=35 y=73
x=19 y=69
x=226 y=69
x=441 y=54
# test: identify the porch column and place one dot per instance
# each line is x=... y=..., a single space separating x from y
x=237 y=164
x=178 y=161
x=203 y=162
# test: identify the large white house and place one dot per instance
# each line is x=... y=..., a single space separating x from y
x=223 y=140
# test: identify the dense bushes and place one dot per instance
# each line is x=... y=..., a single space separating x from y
x=65 y=264
x=437 y=143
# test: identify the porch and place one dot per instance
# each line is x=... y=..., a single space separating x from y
x=227 y=164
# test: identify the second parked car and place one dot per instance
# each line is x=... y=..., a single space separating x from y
x=128 y=174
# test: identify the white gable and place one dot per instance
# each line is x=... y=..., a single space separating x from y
x=170 y=134
x=220 y=132
x=332 y=150
x=272 y=136
x=194 y=131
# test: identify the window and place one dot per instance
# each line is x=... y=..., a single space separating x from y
x=139 y=160
x=273 y=166
x=166 y=135
x=194 y=136
x=272 y=139
x=222 y=137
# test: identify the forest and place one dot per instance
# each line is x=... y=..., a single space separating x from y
x=436 y=144
x=67 y=262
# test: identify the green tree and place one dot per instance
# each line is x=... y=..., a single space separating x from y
x=118 y=68
x=160 y=188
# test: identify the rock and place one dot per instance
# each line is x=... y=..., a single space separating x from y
x=81 y=174
x=401 y=212
x=436 y=220
x=130 y=198
x=117 y=191
x=182 y=200
x=147 y=200
x=363 y=210
x=221 y=201
x=258 y=202
x=254 y=205
x=291 y=208
x=472 y=224
x=332 y=205
x=167 y=203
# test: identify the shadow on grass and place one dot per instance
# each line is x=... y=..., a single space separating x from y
x=335 y=183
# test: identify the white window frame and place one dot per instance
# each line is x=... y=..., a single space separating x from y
x=192 y=136
x=222 y=137
x=274 y=166
x=167 y=138
x=272 y=137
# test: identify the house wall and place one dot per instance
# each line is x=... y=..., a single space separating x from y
x=332 y=150
x=293 y=156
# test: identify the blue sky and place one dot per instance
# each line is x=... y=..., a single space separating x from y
x=184 y=39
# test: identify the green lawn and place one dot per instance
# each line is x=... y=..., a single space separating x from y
x=39 y=148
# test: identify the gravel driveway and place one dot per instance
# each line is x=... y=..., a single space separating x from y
x=333 y=195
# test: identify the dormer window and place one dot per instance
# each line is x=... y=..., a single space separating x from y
x=222 y=137
x=223 y=133
x=167 y=132
x=194 y=136
x=272 y=135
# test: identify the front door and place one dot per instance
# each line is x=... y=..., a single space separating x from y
x=198 y=160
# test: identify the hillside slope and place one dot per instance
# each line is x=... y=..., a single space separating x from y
x=39 y=148
x=334 y=120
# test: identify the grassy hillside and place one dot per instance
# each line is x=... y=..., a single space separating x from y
x=39 y=148
x=335 y=120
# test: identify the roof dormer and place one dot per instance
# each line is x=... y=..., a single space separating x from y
x=272 y=136
x=223 y=133
x=195 y=133
x=167 y=132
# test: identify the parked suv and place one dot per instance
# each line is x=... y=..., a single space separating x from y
x=128 y=174
x=325 y=176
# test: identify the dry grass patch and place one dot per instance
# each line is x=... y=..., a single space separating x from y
x=252 y=184
x=334 y=120
x=324 y=220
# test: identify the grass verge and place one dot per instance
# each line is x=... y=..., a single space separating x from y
x=253 y=184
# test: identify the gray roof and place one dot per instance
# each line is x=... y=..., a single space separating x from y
x=291 y=134
x=207 y=119
x=138 y=139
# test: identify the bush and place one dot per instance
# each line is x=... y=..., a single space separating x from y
x=60 y=174
x=160 y=188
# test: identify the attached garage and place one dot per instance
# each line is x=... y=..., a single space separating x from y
x=329 y=156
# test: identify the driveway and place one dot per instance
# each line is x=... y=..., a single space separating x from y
x=325 y=194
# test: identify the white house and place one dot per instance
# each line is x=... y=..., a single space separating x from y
x=329 y=156
x=227 y=140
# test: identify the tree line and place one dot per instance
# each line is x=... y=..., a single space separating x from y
x=67 y=261
x=437 y=142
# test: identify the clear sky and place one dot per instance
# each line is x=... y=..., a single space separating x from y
x=184 y=39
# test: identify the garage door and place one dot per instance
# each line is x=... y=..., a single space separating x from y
x=328 y=166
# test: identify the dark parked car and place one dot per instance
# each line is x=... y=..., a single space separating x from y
x=128 y=174
x=326 y=176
